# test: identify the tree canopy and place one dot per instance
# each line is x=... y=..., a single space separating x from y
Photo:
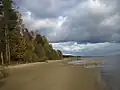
x=24 y=45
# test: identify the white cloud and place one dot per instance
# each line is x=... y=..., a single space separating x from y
x=96 y=49
x=38 y=23
x=82 y=21
x=73 y=20
x=111 y=21
x=98 y=7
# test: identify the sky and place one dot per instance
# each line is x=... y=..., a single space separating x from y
x=77 y=27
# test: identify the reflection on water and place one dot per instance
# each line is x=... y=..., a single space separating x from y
x=87 y=63
x=110 y=71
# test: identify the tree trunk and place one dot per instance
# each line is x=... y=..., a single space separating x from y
x=7 y=59
x=6 y=8
x=2 y=58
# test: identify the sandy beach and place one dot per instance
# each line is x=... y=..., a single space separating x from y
x=53 y=76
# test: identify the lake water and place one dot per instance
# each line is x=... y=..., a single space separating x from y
x=110 y=71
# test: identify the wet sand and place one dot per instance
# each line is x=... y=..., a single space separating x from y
x=53 y=76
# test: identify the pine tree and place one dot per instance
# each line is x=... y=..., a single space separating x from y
x=2 y=43
x=39 y=47
x=16 y=44
x=60 y=54
x=7 y=7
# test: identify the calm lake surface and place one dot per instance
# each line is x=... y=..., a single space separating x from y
x=110 y=71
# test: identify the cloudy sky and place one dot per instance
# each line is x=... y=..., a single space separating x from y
x=77 y=27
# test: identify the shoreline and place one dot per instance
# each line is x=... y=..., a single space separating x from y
x=34 y=63
x=84 y=63
x=54 y=75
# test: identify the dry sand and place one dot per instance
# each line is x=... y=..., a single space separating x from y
x=53 y=76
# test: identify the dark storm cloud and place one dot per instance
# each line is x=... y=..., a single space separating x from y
x=48 y=8
x=81 y=21
x=94 y=25
x=88 y=20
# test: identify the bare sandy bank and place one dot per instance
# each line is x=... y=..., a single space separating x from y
x=53 y=76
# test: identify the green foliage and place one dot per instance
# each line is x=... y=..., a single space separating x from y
x=2 y=37
x=53 y=55
x=25 y=45
x=60 y=54
x=45 y=40
x=19 y=44
x=29 y=56
x=40 y=52
x=34 y=58
x=39 y=39
x=28 y=35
